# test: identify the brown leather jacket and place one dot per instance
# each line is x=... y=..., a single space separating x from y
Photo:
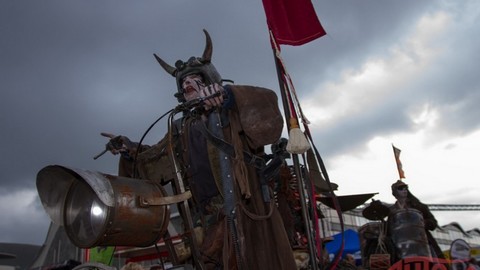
x=254 y=120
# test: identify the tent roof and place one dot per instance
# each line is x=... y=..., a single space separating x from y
x=351 y=239
x=347 y=202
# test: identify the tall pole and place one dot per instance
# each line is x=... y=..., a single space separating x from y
x=298 y=171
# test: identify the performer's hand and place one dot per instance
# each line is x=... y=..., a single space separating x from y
x=118 y=144
x=213 y=89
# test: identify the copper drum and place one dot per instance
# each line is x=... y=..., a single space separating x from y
x=98 y=209
x=367 y=234
x=407 y=230
x=130 y=224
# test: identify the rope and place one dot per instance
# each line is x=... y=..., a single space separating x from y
x=294 y=102
x=381 y=247
x=293 y=106
x=257 y=217
x=315 y=221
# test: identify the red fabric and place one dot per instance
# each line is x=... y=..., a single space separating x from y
x=292 y=22
x=396 y=152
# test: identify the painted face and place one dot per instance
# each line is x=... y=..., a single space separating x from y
x=192 y=84
x=402 y=191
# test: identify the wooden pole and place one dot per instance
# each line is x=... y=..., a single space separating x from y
x=298 y=171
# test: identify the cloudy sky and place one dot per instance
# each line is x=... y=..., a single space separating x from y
x=401 y=72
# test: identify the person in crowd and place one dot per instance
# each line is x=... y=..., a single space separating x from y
x=406 y=200
x=347 y=263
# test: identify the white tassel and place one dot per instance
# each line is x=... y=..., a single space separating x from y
x=297 y=142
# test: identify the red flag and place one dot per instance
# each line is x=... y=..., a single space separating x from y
x=396 y=153
x=292 y=22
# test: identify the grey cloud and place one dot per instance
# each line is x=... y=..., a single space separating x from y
x=69 y=71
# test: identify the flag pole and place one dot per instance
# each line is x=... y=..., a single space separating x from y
x=296 y=163
x=294 y=22
x=396 y=154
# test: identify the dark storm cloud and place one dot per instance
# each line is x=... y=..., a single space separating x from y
x=70 y=70
x=350 y=134
x=450 y=84
x=356 y=30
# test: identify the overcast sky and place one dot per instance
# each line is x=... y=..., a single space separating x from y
x=401 y=72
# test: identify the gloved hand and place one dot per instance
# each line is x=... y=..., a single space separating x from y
x=213 y=95
x=119 y=144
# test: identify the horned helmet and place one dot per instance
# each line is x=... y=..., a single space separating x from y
x=194 y=65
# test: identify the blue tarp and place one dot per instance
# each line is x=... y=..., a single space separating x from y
x=352 y=243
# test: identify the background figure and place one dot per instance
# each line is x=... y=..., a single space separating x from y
x=347 y=263
x=399 y=214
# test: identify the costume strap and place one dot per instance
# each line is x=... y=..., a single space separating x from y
x=227 y=148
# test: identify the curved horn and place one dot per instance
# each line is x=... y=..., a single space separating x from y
x=207 y=53
x=171 y=70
